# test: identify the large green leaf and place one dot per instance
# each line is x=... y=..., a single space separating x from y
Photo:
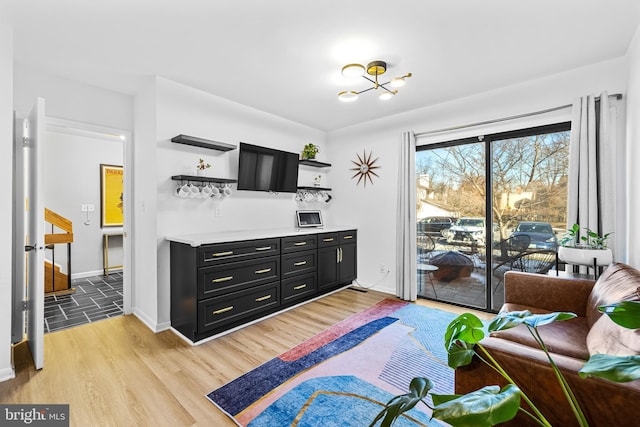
x=620 y=369
x=466 y=327
x=439 y=399
x=508 y=320
x=460 y=353
x=625 y=313
x=485 y=407
x=418 y=390
x=512 y=319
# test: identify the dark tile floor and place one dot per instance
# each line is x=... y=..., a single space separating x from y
x=96 y=298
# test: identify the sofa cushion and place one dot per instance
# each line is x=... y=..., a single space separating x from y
x=619 y=282
x=606 y=337
x=567 y=337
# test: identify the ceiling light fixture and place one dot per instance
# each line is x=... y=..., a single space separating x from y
x=375 y=69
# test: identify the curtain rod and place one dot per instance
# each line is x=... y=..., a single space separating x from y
x=617 y=96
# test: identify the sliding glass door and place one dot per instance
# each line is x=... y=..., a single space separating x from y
x=451 y=227
x=471 y=230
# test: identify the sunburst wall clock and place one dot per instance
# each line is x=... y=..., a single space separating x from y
x=365 y=168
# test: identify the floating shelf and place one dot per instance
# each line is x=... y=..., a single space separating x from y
x=203 y=179
x=314 y=163
x=201 y=142
x=314 y=188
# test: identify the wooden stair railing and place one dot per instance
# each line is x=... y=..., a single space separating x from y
x=60 y=222
x=55 y=280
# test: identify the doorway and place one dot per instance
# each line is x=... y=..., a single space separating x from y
x=487 y=205
x=98 y=259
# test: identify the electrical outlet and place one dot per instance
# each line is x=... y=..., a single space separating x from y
x=92 y=207
x=88 y=208
x=85 y=208
x=218 y=212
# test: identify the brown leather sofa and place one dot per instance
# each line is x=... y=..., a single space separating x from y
x=604 y=403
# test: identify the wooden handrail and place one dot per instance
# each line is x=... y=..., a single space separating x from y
x=62 y=223
x=58 y=220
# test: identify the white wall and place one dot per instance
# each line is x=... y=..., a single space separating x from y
x=144 y=230
x=71 y=100
x=374 y=208
x=184 y=110
x=633 y=149
x=72 y=178
x=6 y=156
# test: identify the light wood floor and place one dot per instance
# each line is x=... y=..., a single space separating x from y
x=117 y=372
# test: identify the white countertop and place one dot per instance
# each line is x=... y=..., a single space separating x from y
x=199 y=239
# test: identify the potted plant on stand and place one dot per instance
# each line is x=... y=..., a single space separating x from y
x=590 y=249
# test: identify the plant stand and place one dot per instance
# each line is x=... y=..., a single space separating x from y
x=595 y=258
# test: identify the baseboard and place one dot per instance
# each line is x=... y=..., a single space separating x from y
x=94 y=273
x=7 y=374
x=145 y=319
x=150 y=323
x=164 y=326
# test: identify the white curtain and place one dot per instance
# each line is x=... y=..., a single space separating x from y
x=592 y=151
x=406 y=281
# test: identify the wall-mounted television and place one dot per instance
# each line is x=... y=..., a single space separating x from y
x=267 y=169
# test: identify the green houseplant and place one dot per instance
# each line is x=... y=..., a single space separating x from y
x=588 y=249
x=491 y=405
x=310 y=151
x=590 y=240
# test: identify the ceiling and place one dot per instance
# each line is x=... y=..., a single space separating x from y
x=284 y=56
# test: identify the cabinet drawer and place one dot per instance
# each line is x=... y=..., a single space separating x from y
x=327 y=239
x=217 y=311
x=237 y=251
x=221 y=279
x=298 y=287
x=299 y=243
x=299 y=262
x=346 y=237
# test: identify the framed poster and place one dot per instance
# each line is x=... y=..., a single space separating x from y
x=111 y=196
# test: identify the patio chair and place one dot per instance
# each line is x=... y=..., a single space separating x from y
x=530 y=261
x=425 y=245
x=511 y=247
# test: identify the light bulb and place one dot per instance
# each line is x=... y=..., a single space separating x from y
x=386 y=95
x=348 y=96
x=353 y=70
x=397 y=82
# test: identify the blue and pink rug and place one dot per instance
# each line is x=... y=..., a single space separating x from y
x=345 y=375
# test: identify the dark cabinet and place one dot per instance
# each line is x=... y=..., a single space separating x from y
x=299 y=268
x=337 y=259
x=217 y=287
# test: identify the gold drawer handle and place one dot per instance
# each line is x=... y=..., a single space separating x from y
x=222 y=279
x=223 y=253
x=299 y=243
x=223 y=310
x=299 y=263
x=328 y=240
x=264 y=270
x=263 y=248
x=348 y=237
x=297 y=288
x=264 y=298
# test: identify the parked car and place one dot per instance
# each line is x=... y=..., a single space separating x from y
x=436 y=225
x=467 y=231
x=540 y=233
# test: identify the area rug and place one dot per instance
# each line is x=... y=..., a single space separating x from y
x=345 y=375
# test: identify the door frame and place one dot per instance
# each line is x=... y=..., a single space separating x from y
x=56 y=124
